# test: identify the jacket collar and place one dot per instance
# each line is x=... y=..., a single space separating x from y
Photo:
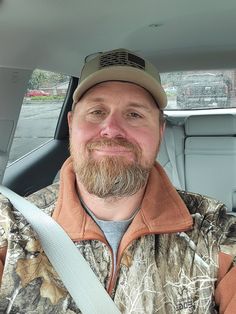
x=162 y=209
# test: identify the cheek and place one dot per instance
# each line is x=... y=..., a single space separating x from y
x=148 y=139
x=83 y=133
x=150 y=146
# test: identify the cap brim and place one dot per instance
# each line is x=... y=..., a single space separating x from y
x=125 y=74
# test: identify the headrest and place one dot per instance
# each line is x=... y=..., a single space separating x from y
x=205 y=125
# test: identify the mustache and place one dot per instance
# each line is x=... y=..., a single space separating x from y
x=114 y=142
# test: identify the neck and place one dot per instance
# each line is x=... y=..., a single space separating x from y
x=112 y=208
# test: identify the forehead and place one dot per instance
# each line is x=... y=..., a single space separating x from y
x=125 y=90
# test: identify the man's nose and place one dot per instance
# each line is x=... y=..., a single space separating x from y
x=112 y=127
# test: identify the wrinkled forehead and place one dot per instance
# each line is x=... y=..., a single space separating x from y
x=122 y=88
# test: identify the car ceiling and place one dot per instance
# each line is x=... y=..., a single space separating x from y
x=174 y=34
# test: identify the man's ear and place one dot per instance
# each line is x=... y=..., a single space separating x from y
x=162 y=130
x=69 y=119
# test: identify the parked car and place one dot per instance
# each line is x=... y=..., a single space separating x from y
x=203 y=90
x=36 y=92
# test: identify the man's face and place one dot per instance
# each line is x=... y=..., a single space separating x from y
x=114 y=138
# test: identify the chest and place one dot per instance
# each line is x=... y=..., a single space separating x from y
x=167 y=274
x=156 y=274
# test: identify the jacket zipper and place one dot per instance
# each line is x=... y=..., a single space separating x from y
x=113 y=277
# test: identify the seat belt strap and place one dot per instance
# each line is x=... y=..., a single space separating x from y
x=77 y=276
x=170 y=147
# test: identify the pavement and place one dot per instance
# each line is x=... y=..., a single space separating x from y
x=36 y=125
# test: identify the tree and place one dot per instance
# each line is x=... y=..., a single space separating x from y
x=42 y=79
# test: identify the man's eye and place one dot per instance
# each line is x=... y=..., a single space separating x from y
x=97 y=113
x=134 y=115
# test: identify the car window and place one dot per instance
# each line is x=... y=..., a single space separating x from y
x=39 y=113
x=200 y=89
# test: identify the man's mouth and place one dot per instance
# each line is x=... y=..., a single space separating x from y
x=113 y=150
x=114 y=147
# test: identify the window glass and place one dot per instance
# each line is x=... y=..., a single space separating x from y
x=39 y=113
x=200 y=89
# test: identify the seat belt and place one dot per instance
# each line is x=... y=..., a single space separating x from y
x=170 y=147
x=76 y=274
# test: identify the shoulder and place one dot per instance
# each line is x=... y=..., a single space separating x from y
x=208 y=208
x=42 y=198
x=198 y=203
x=45 y=199
x=211 y=217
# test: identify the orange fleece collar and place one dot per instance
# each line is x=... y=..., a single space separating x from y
x=162 y=209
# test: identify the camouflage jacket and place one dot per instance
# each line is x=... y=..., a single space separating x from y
x=168 y=260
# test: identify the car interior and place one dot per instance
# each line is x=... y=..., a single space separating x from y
x=198 y=151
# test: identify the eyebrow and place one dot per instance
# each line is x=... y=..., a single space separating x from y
x=140 y=106
x=135 y=105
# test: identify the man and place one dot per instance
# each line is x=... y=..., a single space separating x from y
x=154 y=249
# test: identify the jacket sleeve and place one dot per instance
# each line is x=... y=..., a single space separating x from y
x=3 y=253
x=225 y=293
x=4 y=223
